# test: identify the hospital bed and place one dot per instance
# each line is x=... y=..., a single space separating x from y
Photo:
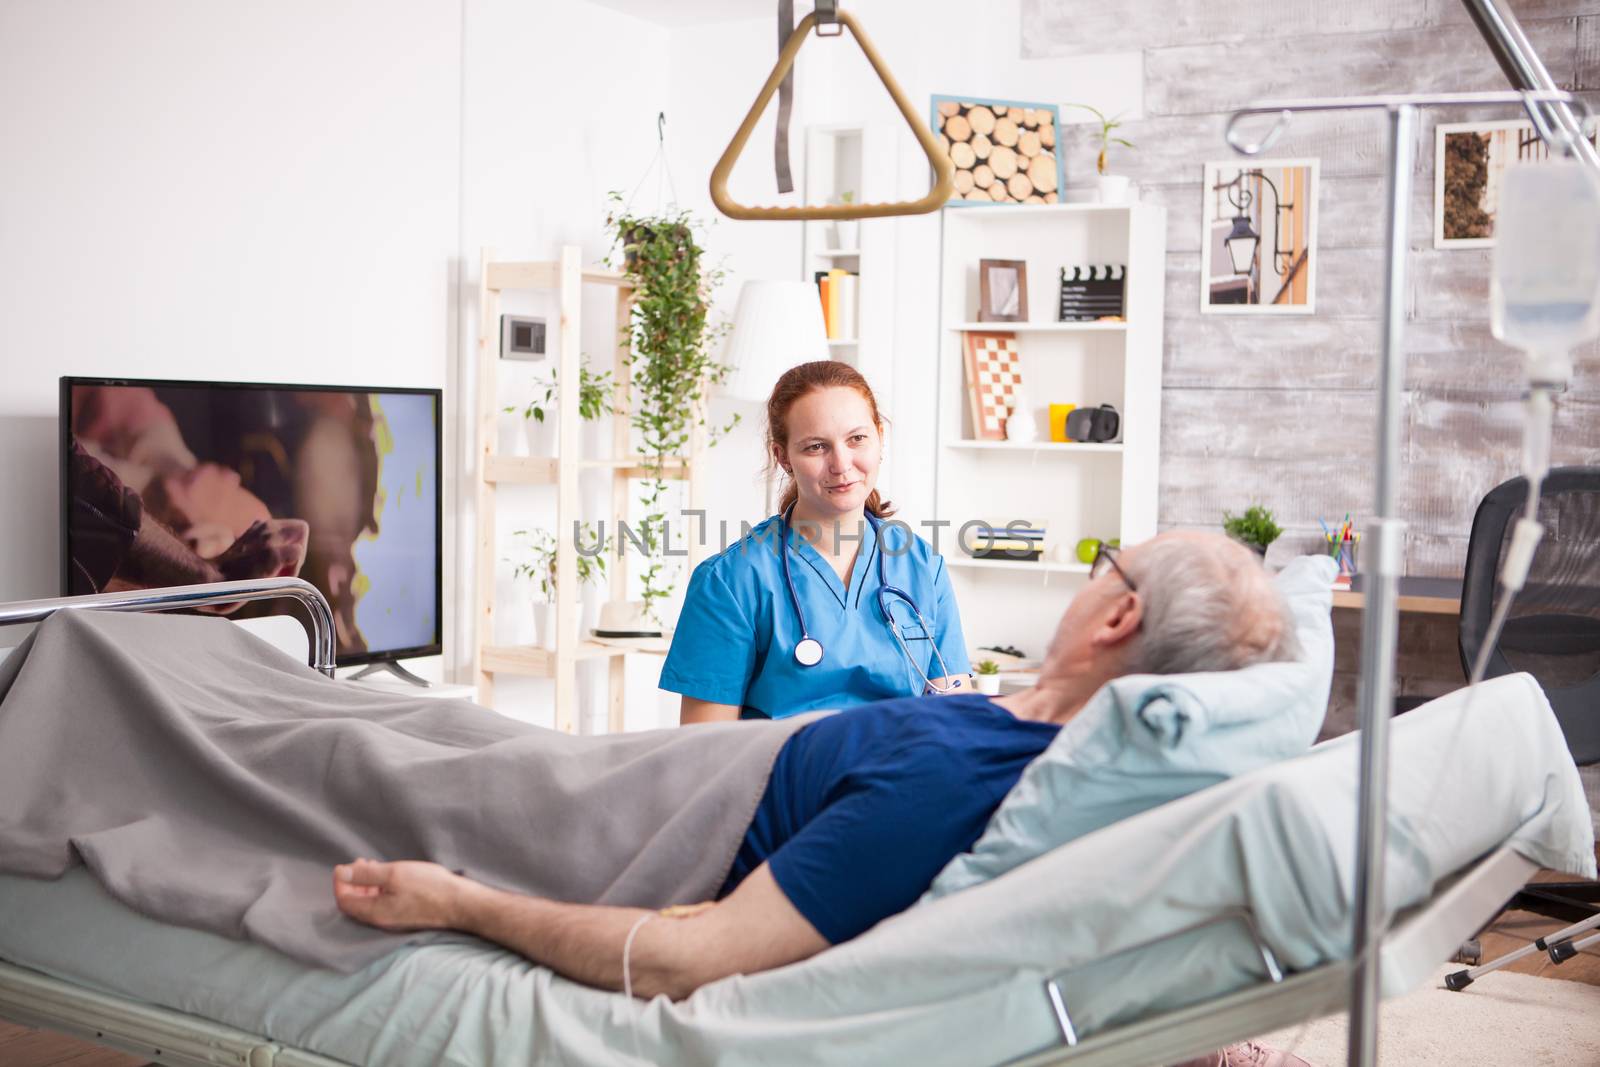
x=1208 y=920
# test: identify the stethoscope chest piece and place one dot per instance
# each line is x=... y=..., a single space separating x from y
x=808 y=653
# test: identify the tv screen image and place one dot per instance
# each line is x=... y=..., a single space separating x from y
x=171 y=483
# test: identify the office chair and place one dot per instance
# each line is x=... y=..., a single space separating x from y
x=1553 y=630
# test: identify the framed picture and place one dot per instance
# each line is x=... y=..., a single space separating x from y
x=1469 y=160
x=1002 y=290
x=1258 y=248
x=1004 y=151
x=993 y=378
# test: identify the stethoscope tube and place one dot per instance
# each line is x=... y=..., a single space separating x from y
x=808 y=652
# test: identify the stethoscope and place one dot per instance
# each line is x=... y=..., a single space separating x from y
x=808 y=652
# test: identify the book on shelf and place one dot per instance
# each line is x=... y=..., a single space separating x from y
x=839 y=291
x=1019 y=554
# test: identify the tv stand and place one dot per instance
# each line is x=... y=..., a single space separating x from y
x=392 y=668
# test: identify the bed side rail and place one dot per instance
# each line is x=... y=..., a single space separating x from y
x=196 y=596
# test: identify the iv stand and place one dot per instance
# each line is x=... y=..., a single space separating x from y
x=1382 y=565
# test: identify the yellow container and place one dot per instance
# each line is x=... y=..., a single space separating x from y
x=1058 y=421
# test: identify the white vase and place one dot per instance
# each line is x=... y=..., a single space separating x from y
x=1020 y=425
x=1114 y=188
x=510 y=438
x=847 y=234
x=543 y=436
x=544 y=626
x=988 y=684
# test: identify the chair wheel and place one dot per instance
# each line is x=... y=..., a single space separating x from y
x=1470 y=952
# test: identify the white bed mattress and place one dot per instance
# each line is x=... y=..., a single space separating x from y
x=959 y=980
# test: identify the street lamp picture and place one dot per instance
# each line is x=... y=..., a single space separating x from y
x=1258 y=248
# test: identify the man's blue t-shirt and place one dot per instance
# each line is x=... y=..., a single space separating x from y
x=865 y=807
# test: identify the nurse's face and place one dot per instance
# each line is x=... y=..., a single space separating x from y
x=833 y=452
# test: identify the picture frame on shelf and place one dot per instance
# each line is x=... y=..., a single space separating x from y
x=1002 y=290
x=994 y=375
x=1003 y=151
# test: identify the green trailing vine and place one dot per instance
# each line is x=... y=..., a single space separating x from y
x=668 y=348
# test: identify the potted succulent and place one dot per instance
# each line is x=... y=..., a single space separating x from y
x=542 y=417
x=1255 y=528
x=986 y=672
x=1113 y=188
x=538 y=564
x=669 y=354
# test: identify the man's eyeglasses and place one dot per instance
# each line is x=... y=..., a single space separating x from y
x=1105 y=558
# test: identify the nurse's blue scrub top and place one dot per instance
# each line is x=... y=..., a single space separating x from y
x=736 y=636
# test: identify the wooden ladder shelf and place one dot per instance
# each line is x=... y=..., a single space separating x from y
x=568 y=277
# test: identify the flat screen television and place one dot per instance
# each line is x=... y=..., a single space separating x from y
x=168 y=482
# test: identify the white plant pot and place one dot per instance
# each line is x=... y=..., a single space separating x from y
x=1114 y=188
x=847 y=233
x=988 y=684
x=543 y=436
x=510 y=438
x=544 y=626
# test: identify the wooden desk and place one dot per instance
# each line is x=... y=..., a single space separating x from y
x=1423 y=596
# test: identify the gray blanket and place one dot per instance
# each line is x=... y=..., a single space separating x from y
x=206 y=779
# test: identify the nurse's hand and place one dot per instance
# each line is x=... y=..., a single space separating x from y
x=693 y=710
x=951 y=685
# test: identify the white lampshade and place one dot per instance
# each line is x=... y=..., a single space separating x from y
x=775 y=326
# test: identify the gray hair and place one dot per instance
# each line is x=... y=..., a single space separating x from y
x=1209 y=605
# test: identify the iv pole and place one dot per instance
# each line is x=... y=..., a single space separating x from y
x=1550 y=111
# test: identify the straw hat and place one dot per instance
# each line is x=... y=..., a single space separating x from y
x=624 y=624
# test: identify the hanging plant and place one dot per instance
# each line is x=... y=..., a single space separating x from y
x=668 y=348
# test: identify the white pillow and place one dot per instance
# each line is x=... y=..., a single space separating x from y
x=1145 y=739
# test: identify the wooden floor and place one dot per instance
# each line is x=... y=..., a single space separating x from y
x=1512 y=930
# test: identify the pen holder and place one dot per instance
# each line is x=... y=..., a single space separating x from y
x=1344 y=553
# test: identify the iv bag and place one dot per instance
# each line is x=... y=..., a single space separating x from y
x=1544 y=292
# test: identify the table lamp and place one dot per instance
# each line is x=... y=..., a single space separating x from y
x=776 y=325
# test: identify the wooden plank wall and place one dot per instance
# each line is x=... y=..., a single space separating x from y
x=1281 y=409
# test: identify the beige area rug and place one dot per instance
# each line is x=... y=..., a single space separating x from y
x=1502 y=1020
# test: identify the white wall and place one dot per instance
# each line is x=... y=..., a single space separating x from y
x=202 y=190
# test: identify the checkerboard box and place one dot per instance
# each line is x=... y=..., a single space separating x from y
x=994 y=376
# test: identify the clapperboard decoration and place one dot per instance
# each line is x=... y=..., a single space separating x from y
x=1093 y=292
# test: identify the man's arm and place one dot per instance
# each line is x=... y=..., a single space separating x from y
x=753 y=929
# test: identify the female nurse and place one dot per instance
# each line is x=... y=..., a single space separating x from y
x=824 y=604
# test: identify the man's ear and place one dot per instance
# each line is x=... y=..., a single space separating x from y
x=1121 y=622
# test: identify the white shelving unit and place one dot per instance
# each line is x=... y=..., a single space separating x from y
x=1074 y=490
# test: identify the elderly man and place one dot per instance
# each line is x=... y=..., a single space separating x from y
x=865 y=807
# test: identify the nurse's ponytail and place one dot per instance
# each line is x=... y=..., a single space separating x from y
x=806 y=378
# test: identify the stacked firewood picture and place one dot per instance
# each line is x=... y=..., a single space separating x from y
x=1003 y=153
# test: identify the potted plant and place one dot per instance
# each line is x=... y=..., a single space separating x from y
x=538 y=564
x=542 y=417
x=669 y=354
x=986 y=672
x=846 y=232
x=1255 y=528
x=1113 y=187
